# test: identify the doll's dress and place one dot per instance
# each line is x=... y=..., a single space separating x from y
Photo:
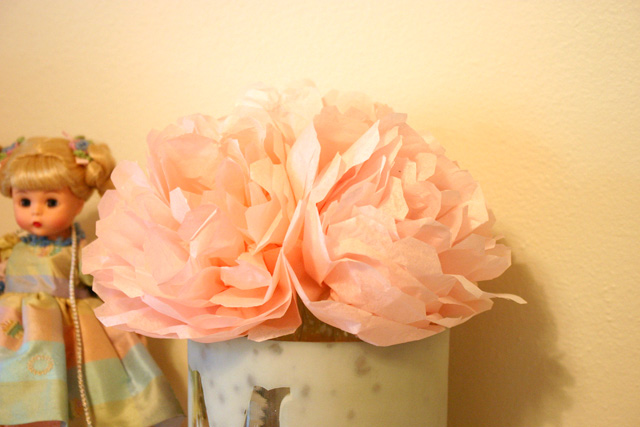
x=38 y=380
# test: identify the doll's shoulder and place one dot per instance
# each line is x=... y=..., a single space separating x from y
x=7 y=242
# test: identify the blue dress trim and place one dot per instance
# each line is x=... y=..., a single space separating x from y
x=32 y=239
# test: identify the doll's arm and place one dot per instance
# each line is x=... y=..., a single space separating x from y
x=7 y=242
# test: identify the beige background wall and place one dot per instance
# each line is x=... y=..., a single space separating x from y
x=539 y=99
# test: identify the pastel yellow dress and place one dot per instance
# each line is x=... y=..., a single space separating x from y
x=38 y=380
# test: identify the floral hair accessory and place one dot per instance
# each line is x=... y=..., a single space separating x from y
x=80 y=147
x=331 y=202
x=6 y=151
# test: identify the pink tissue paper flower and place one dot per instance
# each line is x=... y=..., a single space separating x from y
x=332 y=200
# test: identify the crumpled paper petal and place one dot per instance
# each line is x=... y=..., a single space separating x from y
x=391 y=242
x=332 y=200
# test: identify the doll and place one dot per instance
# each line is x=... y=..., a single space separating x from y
x=47 y=323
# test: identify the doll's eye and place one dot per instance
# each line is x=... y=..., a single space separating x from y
x=52 y=203
x=25 y=203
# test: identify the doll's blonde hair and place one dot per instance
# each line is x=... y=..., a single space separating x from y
x=50 y=164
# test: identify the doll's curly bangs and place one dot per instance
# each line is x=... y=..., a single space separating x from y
x=49 y=164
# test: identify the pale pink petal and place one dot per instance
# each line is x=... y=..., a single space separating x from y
x=164 y=254
x=477 y=258
x=336 y=201
x=302 y=162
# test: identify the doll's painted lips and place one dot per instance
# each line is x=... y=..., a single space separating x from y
x=37 y=224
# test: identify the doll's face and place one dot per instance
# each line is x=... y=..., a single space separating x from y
x=47 y=213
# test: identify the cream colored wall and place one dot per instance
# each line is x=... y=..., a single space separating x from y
x=539 y=99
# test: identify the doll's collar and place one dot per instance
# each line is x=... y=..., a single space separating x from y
x=32 y=239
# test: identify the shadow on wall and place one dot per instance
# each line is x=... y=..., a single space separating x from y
x=505 y=368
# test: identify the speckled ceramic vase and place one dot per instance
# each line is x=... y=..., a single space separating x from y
x=241 y=383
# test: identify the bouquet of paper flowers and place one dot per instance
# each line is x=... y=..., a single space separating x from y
x=332 y=203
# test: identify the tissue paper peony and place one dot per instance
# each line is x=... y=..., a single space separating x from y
x=331 y=200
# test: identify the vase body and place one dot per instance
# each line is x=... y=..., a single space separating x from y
x=241 y=383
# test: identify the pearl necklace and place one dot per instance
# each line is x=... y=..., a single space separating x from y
x=76 y=327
